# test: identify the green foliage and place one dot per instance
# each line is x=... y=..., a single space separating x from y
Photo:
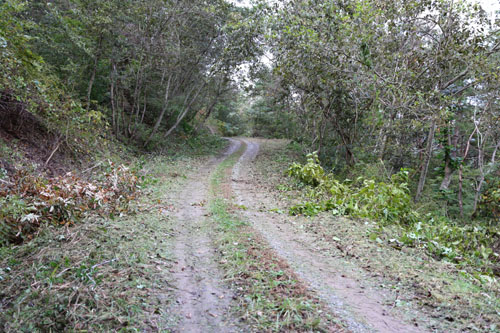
x=366 y=81
x=443 y=238
x=489 y=205
x=229 y=129
x=310 y=173
x=365 y=198
x=27 y=83
x=389 y=203
x=230 y=120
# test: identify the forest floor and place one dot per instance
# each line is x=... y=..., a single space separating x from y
x=211 y=248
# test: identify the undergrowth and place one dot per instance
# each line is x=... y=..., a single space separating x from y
x=106 y=274
x=109 y=273
x=389 y=203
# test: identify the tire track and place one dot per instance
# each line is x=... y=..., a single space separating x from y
x=202 y=300
x=362 y=310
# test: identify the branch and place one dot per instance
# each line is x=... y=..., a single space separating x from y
x=91 y=168
x=455 y=79
x=7 y=182
x=53 y=152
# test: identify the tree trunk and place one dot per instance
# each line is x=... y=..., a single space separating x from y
x=427 y=159
x=207 y=114
x=384 y=137
x=144 y=107
x=137 y=97
x=383 y=144
x=450 y=155
x=483 y=174
x=349 y=155
x=122 y=113
x=213 y=104
x=460 y=174
x=322 y=130
x=112 y=96
x=478 y=193
x=495 y=152
x=460 y=190
x=91 y=82
x=162 y=114
x=94 y=70
x=184 y=112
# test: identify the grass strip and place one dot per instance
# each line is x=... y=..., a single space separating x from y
x=270 y=296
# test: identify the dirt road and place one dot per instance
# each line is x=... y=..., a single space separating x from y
x=362 y=309
x=203 y=302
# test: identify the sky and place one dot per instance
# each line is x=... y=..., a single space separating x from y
x=241 y=3
x=489 y=5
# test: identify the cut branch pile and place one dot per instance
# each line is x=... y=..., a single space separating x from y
x=28 y=202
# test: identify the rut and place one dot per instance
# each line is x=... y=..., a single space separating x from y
x=361 y=309
x=202 y=301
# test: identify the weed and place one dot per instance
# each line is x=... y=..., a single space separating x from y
x=30 y=202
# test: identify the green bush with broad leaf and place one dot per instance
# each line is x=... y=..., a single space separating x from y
x=390 y=203
x=364 y=198
x=310 y=173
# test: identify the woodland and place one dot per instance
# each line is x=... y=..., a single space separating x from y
x=392 y=109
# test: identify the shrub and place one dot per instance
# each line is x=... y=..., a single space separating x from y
x=390 y=203
x=310 y=173
x=490 y=202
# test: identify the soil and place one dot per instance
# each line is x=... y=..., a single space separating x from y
x=26 y=133
x=203 y=301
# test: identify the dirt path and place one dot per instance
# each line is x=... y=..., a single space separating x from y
x=362 y=308
x=202 y=301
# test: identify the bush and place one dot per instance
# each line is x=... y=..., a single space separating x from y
x=489 y=205
x=390 y=203
x=366 y=198
x=466 y=244
x=310 y=173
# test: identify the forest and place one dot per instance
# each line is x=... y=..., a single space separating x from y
x=382 y=113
